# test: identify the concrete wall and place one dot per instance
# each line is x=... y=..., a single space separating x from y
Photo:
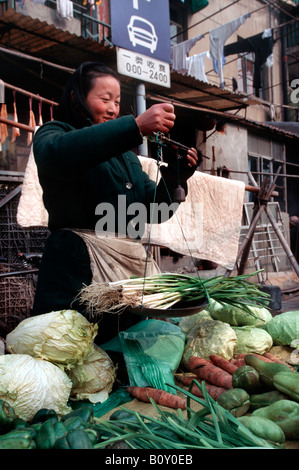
x=231 y=150
x=50 y=16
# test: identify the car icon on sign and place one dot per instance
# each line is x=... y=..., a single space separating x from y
x=142 y=32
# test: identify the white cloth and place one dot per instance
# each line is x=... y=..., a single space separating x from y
x=65 y=9
x=218 y=37
x=196 y=66
x=208 y=224
x=31 y=210
x=179 y=54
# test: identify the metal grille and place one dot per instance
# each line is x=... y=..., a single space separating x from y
x=14 y=239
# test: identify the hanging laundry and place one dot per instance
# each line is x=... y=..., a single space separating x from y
x=15 y=130
x=65 y=9
x=179 y=54
x=262 y=46
x=3 y=127
x=32 y=122
x=196 y=66
x=218 y=37
x=91 y=3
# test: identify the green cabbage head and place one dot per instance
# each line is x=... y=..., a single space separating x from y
x=62 y=337
x=94 y=378
x=252 y=340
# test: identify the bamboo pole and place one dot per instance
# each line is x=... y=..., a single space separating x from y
x=282 y=240
x=244 y=249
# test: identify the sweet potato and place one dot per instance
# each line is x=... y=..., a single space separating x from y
x=160 y=397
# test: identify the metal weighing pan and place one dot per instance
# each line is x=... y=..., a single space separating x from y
x=169 y=312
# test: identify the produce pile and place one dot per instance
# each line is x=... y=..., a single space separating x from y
x=248 y=397
x=80 y=429
x=51 y=359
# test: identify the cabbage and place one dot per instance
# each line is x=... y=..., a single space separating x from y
x=209 y=337
x=187 y=323
x=93 y=379
x=29 y=384
x=252 y=340
x=62 y=337
x=236 y=316
x=284 y=328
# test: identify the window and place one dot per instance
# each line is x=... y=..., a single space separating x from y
x=264 y=159
x=178 y=21
x=246 y=72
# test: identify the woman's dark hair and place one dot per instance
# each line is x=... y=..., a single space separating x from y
x=72 y=106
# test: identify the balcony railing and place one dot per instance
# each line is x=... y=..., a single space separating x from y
x=91 y=26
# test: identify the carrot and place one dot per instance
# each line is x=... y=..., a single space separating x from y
x=223 y=364
x=210 y=373
x=160 y=397
x=213 y=390
x=239 y=362
x=197 y=361
x=242 y=356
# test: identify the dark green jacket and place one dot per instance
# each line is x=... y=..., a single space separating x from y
x=81 y=168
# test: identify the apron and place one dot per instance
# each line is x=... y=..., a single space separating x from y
x=114 y=258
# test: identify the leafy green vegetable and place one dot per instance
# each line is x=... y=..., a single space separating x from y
x=163 y=291
x=212 y=427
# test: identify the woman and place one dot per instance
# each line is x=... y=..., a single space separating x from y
x=83 y=160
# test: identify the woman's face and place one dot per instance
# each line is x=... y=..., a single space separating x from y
x=103 y=100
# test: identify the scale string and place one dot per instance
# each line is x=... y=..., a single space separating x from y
x=159 y=160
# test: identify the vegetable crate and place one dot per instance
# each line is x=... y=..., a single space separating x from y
x=16 y=299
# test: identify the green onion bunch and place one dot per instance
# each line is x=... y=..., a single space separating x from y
x=212 y=427
x=166 y=290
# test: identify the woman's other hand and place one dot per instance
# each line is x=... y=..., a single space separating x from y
x=192 y=157
x=158 y=118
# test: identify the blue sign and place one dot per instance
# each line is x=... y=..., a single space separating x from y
x=142 y=26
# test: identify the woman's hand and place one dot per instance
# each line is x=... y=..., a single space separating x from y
x=192 y=157
x=158 y=118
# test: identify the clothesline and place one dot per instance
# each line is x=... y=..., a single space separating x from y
x=278 y=7
x=213 y=14
x=274 y=29
x=194 y=65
